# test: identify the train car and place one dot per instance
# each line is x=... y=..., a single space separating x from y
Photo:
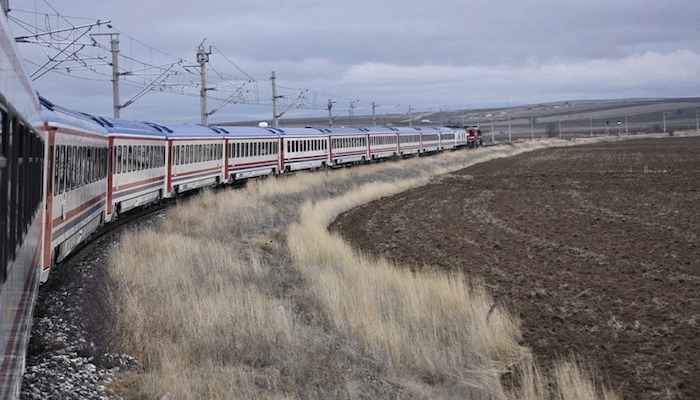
x=460 y=136
x=347 y=146
x=303 y=148
x=196 y=157
x=251 y=152
x=383 y=143
x=409 y=142
x=448 y=138
x=77 y=168
x=22 y=199
x=138 y=169
x=430 y=140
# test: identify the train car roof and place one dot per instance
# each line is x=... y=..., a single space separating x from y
x=301 y=131
x=344 y=131
x=195 y=131
x=411 y=129
x=118 y=126
x=379 y=129
x=57 y=115
x=249 y=131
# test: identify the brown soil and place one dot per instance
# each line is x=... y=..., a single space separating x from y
x=595 y=247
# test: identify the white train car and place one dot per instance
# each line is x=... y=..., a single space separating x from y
x=409 y=142
x=460 y=136
x=197 y=157
x=22 y=180
x=78 y=152
x=303 y=148
x=139 y=165
x=430 y=139
x=448 y=138
x=347 y=145
x=251 y=152
x=383 y=143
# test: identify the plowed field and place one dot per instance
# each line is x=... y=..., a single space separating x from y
x=596 y=248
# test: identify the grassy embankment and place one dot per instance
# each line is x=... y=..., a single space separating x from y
x=244 y=294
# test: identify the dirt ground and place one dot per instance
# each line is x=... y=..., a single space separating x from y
x=594 y=247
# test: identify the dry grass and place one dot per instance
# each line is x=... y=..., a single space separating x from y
x=244 y=294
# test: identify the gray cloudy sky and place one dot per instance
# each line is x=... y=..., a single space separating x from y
x=431 y=55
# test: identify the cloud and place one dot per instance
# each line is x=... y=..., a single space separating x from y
x=443 y=53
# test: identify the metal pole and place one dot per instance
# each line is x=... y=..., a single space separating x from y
x=627 y=131
x=492 y=139
x=510 y=136
x=203 y=58
x=374 y=118
x=591 y=126
x=697 y=123
x=275 y=120
x=532 y=127
x=115 y=74
x=559 y=129
x=664 y=116
x=330 y=113
x=410 y=116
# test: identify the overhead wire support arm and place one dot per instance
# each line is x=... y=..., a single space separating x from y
x=148 y=88
x=25 y=39
x=36 y=74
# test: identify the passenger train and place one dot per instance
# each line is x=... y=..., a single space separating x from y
x=100 y=167
x=64 y=174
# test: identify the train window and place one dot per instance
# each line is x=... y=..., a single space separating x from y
x=79 y=173
x=59 y=169
x=81 y=166
x=126 y=158
x=90 y=164
x=118 y=158
x=100 y=163
x=95 y=163
x=71 y=167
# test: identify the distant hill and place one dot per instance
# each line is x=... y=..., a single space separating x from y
x=575 y=118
